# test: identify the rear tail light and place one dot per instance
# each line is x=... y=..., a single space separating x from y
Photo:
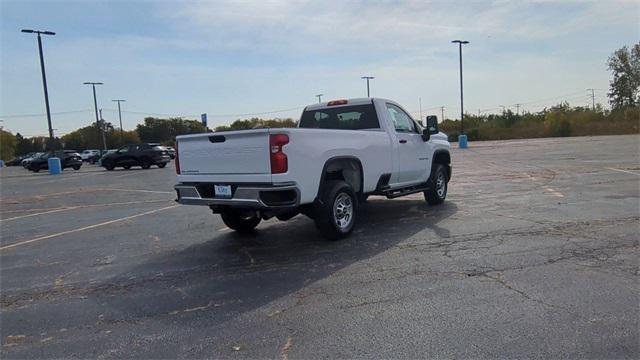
x=279 y=161
x=177 y=160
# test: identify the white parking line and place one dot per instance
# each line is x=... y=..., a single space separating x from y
x=144 y=191
x=624 y=171
x=81 y=207
x=555 y=193
x=18 y=200
x=20 y=243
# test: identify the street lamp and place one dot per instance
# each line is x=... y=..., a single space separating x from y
x=460 y=43
x=120 y=115
x=44 y=76
x=368 y=78
x=319 y=96
x=95 y=104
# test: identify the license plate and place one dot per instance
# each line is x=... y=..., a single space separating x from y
x=222 y=190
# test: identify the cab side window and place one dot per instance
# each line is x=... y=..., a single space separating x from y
x=401 y=121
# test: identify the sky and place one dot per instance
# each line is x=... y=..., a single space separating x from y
x=231 y=58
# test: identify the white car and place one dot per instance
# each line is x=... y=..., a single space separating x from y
x=26 y=161
x=341 y=152
x=88 y=154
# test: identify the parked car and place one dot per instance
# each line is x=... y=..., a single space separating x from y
x=68 y=159
x=143 y=155
x=171 y=151
x=87 y=155
x=15 y=161
x=96 y=157
x=27 y=160
x=341 y=152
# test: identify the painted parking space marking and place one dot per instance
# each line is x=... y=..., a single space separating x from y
x=82 y=207
x=46 y=237
x=624 y=171
x=18 y=200
x=554 y=192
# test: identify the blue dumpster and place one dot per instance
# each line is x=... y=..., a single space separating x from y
x=1 y=163
x=55 y=167
x=462 y=141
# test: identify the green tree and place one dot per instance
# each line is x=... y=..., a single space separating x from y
x=625 y=85
x=7 y=145
x=23 y=145
x=256 y=123
x=165 y=130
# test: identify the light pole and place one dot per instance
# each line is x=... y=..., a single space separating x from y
x=319 y=96
x=368 y=78
x=120 y=115
x=460 y=43
x=44 y=76
x=95 y=104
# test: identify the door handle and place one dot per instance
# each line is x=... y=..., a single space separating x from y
x=403 y=141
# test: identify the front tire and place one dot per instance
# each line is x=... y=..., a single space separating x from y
x=108 y=165
x=76 y=167
x=145 y=163
x=438 y=185
x=161 y=165
x=335 y=213
x=240 y=221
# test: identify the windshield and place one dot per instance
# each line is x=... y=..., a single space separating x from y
x=356 y=117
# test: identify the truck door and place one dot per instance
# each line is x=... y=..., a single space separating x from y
x=412 y=157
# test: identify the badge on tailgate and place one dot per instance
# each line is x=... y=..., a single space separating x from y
x=223 y=191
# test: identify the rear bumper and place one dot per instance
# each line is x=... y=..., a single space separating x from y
x=161 y=159
x=246 y=196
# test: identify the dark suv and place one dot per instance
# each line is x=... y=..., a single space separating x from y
x=68 y=159
x=143 y=155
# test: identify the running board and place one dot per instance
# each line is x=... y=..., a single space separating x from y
x=392 y=194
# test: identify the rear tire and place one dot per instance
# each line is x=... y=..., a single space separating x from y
x=108 y=165
x=161 y=165
x=145 y=163
x=438 y=185
x=76 y=167
x=240 y=221
x=335 y=213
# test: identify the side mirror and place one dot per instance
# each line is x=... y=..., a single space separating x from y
x=432 y=124
x=432 y=127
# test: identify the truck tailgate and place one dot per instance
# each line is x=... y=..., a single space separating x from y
x=225 y=153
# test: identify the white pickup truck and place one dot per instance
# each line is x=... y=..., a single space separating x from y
x=340 y=153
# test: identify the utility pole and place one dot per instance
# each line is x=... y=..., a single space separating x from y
x=593 y=98
x=103 y=127
x=120 y=116
x=460 y=43
x=95 y=104
x=319 y=96
x=504 y=109
x=442 y=112
x=420 y=100
x=518 y=109
x=44 y=77
x=368 y=78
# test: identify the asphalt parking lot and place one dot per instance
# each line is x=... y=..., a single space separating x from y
x=534 y=254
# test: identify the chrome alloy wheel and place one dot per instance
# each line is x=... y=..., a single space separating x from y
x=343 y=211
x=441 y=184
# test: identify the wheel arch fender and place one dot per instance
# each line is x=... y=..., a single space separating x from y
x=442 y=156
x=347 y=168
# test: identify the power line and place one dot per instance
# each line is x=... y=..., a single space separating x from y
x=42 y=114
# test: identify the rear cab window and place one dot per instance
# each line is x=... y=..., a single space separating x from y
x=353 y=117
